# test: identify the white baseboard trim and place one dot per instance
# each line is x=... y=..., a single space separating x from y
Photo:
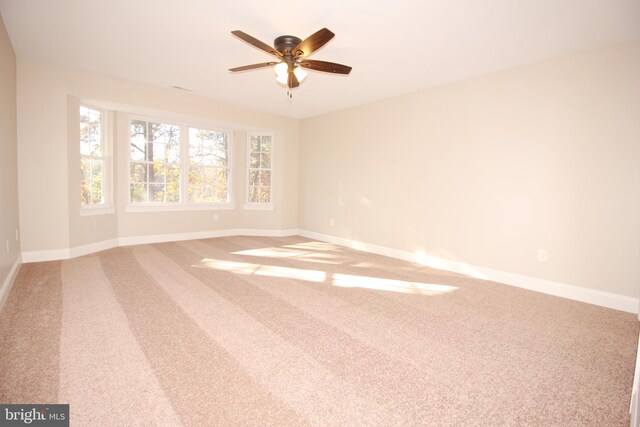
x=591 y=296
x=76 y=251
x=90 y=248
x=47 y=255
x=8 y=281
x=159 y=238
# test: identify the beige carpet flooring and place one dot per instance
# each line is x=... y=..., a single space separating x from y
x=289 y=331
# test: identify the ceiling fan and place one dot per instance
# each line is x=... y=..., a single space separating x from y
x=292 y=54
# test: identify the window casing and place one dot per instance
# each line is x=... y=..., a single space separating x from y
x=259 y=189
x=94 y=159
x=175 y=165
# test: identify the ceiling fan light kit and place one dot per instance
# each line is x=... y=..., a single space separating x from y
x=282 y=73
x=292 y=53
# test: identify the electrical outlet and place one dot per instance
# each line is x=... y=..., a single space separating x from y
x=215 y=217
x=332 y=221
x=543 y=255
x=7 y=246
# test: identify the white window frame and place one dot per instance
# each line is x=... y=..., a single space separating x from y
x=184 y=204
x=258 y=205
x=106 y=207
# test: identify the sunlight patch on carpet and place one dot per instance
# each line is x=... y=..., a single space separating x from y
x=263 y=270
x=303 y=255
x=402 y=286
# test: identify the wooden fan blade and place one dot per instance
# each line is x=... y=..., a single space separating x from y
x=292 y=81
x=326 y=67
x=256 y=43
x=253 y=66
x=312 y=43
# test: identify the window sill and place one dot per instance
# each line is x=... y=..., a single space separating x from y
x=258 y=206
x=179 y=207
x=96 y=210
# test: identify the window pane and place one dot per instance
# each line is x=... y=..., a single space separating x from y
x=173 y=190
x=155 y=156
x=209 y=194
x=157 y=172
x=259 y=178
x=162 y=152
x=85 y=169
x=96 y=193
x=208 y=147
x=196 y=180
x=85 y=192
x=156 y=192
x=173 y=183
x=221 y=194
x=221 y=182
x=195 y=193
x=196 y=175
x=219 y=158
x=96 y=181
x=265 y=145
x=222 y=144
x=156 y=151
x=195 y=150
x=138 y=140
x=253 y=195
x=85 y=181
x=265 y=160
x=213 y=157
x=254 y=161
x=265 y=178
x=264 y=194
x=138 y=172
x=254 y=178
x=208 y=157
x=138 y=193
x=85 y=143
x=202 y=181
x=92 y=171
x=96 y=168
x=216 y=176
x=138 y=149
x=163 y=133
x=90 y=132
x=138 y=128
x=172 y=152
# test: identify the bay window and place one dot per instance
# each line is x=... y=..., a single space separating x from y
x=175 y=164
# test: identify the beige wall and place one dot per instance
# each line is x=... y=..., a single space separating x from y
x=486 y=171
x=8 y=158
x=490 y=170
x=48 y=97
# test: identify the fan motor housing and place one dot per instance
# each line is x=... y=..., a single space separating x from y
x=286 y=43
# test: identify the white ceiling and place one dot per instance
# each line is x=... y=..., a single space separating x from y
x=394 y=47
